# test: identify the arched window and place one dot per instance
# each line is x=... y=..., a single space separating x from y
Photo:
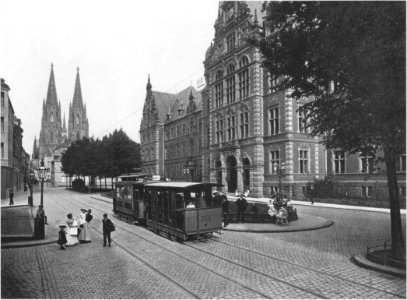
x=51 y=118
x=77 y=120
x=219 y=89
x=243 y=77
x=230 y=84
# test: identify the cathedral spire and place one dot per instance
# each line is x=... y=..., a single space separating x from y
x=148 y=84
x=52 y=90
x=77 y=95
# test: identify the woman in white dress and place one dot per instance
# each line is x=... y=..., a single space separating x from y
x=72 y=229
x=88 y=235
x=82 y=226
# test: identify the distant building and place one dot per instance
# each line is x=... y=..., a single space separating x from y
x=54 y=137
x=14 y=159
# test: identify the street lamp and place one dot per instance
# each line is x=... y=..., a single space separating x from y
x=280 y=170
x=42 y=174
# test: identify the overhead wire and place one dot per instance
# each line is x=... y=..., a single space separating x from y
x=138 y=109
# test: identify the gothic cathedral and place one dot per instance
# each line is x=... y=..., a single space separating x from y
x=53 y=129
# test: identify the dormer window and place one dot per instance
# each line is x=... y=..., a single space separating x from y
x=230 y=41
x=181 y=109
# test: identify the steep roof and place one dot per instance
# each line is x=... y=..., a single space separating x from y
x=172 y=102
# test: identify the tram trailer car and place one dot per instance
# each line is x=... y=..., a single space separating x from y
x=177 y=209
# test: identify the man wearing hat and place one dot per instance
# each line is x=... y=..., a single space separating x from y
x=62 y=237
x=241 y=204
x=108 y=227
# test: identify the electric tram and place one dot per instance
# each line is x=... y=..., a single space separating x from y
x=180 y=210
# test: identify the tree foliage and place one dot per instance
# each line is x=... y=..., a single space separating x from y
x=113 y=155
x=349 y=58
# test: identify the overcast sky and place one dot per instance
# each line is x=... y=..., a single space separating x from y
x=115 y=44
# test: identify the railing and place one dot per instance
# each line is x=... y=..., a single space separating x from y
x=383 y=256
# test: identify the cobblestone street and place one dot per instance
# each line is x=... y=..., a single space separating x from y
x=141 y=264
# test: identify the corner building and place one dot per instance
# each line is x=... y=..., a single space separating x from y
x=253 y=129
x=242 y=131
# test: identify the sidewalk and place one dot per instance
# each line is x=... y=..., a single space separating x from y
x=17 y=223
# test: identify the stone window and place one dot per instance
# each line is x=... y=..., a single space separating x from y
x=230 y=84
x=2 y=150
x=402 y=163
x=273 y=82
x=274 y=121
x=219 y=131
x=339 y=161
x=302 y=121
x=274 y=159
x=231 y=128
x=230 y=41
x=244 y=124
x=219 y=89
x=244 y=77
x=366 y=191
x=2 y=99
x=366 y=164
x=184 y=130
x=2 y=124
x=303 y=161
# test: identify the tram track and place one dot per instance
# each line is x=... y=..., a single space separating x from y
x=239 y=283
x=192 y=261
x=191 y=294
x=293 y=264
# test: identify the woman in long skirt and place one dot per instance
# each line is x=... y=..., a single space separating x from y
x=88 y=226
x=72 y=236
x=83 y=228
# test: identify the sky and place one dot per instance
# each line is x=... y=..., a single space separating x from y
x=115 y=44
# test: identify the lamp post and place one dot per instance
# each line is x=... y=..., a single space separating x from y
x=42 y=174
x=280 y=170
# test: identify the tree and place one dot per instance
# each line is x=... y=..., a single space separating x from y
x=113 y=155
x=349 y=58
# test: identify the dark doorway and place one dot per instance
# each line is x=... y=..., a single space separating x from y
x=246 y=174
x=231 y=174
x=219 y=172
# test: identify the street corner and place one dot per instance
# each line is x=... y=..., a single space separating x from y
x=304 y=222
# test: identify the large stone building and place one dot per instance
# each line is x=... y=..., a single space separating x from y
x=54 y=137
x=14 y=159
x=242 y=132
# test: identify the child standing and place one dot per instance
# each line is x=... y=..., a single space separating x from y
x=62 y=237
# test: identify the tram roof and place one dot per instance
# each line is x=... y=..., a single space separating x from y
x=180 y=185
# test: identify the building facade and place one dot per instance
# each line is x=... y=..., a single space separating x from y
x=243 y=133
x=14 y=159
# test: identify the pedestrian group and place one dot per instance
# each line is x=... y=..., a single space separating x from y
x=79 y=231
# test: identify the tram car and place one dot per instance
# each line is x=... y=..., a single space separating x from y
x=180 y=210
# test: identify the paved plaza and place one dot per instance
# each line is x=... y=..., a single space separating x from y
x=140 y=264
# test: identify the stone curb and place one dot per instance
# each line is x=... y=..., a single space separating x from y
x=363 y=262
x=30 y=243
x=327 y=223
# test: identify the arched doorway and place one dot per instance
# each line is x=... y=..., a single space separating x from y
x=218 y=172
x=246 y=174
x=231 y=174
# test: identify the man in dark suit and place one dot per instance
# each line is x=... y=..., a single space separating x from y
x=241 y=204
x=107 y=229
